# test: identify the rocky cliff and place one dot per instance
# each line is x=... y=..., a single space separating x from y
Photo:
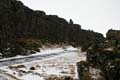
x=103 y=59
x=23 y=29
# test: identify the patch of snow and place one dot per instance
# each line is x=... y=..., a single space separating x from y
x=31 y=77
x=5 y=76
x=95 y=73
x=109 y=49
x=60 y=65
x=42 y=52
x=48 y=51
x=0 y=54
x=70 y=48
x=76 y=73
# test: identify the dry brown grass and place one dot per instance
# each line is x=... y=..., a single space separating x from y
x=87 y=76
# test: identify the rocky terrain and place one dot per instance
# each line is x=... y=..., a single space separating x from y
x=23 y=30
x=104 y=58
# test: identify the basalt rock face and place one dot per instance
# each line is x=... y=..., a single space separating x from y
x=23 y=30
x=113 y=34
x=105 y=57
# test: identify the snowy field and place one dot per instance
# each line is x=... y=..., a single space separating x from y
x=59 y=65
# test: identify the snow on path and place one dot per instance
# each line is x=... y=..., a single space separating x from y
x=5 y=76
x=61 y=65
x=38 y=56
x=43 y=51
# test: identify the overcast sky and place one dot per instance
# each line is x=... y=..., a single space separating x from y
x=97 y=15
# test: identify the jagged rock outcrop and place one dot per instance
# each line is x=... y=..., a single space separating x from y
x=113 y=34
x=23 y=30
x=104 y=56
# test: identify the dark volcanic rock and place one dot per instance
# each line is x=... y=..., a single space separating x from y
x=113 y=34
x=21 y=28
x=86 y=71
x=83 y=68
x=104 y=56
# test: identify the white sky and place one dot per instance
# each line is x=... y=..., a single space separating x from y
x=97 y=15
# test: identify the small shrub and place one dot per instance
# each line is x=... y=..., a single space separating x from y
x=32 y=68
x=20 y=66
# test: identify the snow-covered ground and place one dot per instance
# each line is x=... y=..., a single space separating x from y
x=61 y=65
x=44 y=51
